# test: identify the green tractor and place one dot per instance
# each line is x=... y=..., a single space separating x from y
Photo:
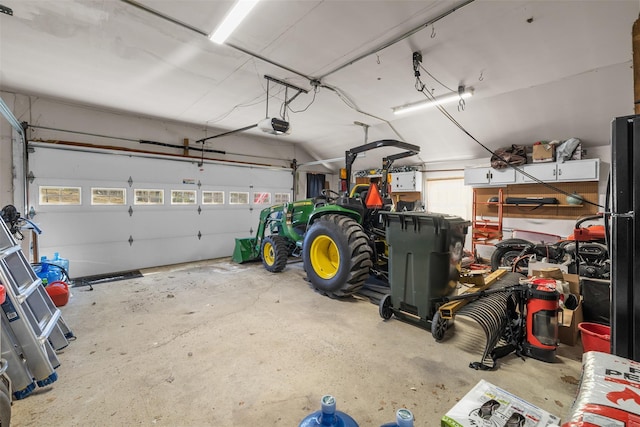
x=340 y=237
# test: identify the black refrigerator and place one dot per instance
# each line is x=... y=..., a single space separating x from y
x=625 y=237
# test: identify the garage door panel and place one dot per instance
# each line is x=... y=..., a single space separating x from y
x=228 y=221
x=47 y=163
x=154 y=252
x=103 y=258
x=95 y=238
x=69 y=228
x=163 y=223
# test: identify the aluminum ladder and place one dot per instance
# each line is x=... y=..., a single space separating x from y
x=32 y=326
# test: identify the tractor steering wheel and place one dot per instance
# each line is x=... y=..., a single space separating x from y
x=327 y=194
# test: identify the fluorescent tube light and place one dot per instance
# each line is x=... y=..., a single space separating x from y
x=232 y=20
x=439 y=100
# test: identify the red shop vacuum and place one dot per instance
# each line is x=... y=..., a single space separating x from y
x=533 y=329
x=541 y=324
x=532 y=319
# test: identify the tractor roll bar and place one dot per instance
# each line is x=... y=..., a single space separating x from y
x=350 y=157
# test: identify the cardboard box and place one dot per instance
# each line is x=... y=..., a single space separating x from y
x=569 y=319
x=488 y=405
x=568 y=329
x=543 y=153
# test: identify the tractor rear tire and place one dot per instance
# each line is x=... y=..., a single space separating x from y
x=274 y=252
x=337 y=255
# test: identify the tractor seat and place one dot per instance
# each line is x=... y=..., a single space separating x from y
x=319 y=201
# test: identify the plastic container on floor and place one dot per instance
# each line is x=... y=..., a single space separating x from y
x=404 y=418
x=58 y=260
x=327 y=416
x=595 y=337
x=424 y=252
x=48 y=272
x=59 y=293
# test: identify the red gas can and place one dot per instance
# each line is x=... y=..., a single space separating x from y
x=59 y=292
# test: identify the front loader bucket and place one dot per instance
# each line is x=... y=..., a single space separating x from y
x=245 y=250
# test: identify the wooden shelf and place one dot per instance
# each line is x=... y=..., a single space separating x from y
x=588 y=190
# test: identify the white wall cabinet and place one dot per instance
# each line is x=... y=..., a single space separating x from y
x=489 y=176
x=574 y=170
x=406 y=181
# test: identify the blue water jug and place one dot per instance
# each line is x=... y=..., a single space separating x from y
x=327 y=416
x=404 y=418
x=59 y=261
x=48 y=272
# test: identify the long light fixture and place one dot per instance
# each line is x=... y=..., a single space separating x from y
x=439 y=100
x=239 y=11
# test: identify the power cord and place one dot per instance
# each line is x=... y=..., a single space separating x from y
x=428 y=95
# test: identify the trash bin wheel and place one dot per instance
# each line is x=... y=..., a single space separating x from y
x=384 y=308
x=438 y=326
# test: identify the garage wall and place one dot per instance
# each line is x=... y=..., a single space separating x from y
x=561 y=227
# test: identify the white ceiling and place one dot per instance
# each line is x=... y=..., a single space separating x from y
x=566 y=73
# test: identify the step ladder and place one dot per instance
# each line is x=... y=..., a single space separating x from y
x=32 y=326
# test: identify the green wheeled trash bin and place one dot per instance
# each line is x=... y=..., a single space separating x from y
x=425 y=251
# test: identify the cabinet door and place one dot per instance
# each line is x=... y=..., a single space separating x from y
x=579 y=170
x=489 y=176
x=406 y=181
x=542 y=171
x=502 y=176
x=476 y=176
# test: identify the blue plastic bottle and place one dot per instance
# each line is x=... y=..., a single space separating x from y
x=62 y=262
x=48 y=271
x=327 y=416
x=404 y=418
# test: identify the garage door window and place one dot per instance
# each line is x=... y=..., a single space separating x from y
x=238 y=198
x=213 y=197
x=50 y=195
x=149 y=197
x=262 y=198
x=108 y=196
x=281 y=198
x=183 y=197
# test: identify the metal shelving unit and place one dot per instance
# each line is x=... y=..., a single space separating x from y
x=485 y=231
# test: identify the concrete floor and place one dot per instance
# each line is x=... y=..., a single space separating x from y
x=221 y=344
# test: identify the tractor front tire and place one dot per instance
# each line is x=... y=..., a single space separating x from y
x=274 y=252
x=337 y=255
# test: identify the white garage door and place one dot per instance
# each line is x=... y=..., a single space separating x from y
x=108 y=211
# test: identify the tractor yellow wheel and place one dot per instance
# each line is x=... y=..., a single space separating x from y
x=268 y=256
x=336 y=255
x=325 y=257
x=274 y=253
